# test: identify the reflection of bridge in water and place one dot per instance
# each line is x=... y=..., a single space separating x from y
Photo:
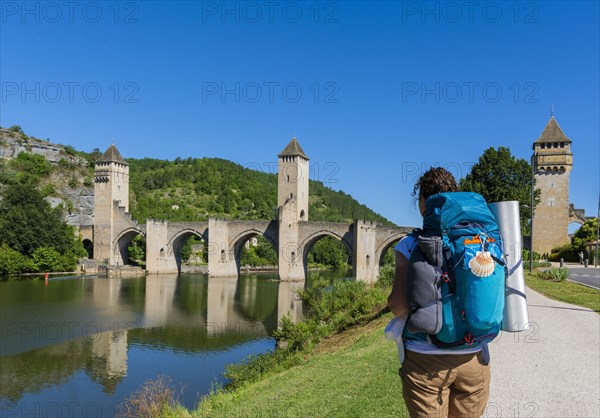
x=291 y=235
x=181 y=313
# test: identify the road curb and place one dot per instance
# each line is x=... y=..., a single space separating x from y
x=584 y=284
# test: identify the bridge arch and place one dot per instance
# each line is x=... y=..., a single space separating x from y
x=121 y=244
x=89 y=247
x=177 y=241
x=309 y=241
x=240 y=239
x=385 y=245
x=307 y=244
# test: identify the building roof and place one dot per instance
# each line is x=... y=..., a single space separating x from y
x=112 y=155
x=293 y=149
x=552 y=133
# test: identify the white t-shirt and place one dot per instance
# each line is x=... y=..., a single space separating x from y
x=406 y=247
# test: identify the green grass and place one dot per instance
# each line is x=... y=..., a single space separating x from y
x=569 y=292
x=353 y=374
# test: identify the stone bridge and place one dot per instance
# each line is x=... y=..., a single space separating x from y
x=291 y=234
x=365 y=241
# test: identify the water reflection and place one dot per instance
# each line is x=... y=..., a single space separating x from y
x=76 y=340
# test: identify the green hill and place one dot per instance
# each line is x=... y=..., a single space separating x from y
x=201 y=187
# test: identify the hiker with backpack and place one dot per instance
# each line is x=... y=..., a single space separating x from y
x=447 y=299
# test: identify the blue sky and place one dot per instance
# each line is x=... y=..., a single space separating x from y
x=374 y=92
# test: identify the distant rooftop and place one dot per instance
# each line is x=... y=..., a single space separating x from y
x=293 y=149
x=552 y=133
x=112 y=155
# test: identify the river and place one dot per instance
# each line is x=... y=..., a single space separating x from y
x=79 y=347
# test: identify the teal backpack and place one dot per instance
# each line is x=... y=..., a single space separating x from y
x=456 y=273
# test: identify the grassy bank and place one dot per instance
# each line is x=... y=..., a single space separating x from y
x=354 y=373
x=565 y=291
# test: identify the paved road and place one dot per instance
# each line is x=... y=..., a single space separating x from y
x=589 y=276
x=551 y=369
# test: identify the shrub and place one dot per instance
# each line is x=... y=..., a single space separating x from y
x=566 y=252
x=32 y=164
x=73 y=182
x=536 y=256
x=69 y=150
x=329 y=308
x=12 y=261
x=555 y=274
x=63 y=163
x=48 y=190
x=299 y=336
x=386 y=276
x=150 y=401
x=16 y=129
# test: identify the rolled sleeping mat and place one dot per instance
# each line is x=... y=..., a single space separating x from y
x=516 y=317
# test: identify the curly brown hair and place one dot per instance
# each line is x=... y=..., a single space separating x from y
x=433 y=181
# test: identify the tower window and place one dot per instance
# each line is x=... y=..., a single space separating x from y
x=542 y=146
x=288 y=177
x=562 y=144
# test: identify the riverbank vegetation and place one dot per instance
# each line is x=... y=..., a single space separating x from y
x=33 y=236
x=329 y=309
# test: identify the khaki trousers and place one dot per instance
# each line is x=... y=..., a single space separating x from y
x=448 y=385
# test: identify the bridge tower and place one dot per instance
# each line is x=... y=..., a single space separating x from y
x=292 y=178
x=552 y=162
x=292 y=202
x=111 y=188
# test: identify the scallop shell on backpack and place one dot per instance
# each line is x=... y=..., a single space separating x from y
x=482 y=265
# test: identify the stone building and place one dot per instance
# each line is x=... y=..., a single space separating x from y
x=552 y=162
x=111 y=195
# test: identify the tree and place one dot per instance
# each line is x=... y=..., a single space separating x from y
x=498 y=176
x=136 y=251
x=28 y=222
x=586 y=233
x=329 y=252
x=46 y=259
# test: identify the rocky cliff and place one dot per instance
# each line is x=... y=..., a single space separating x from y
x=69 y=181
